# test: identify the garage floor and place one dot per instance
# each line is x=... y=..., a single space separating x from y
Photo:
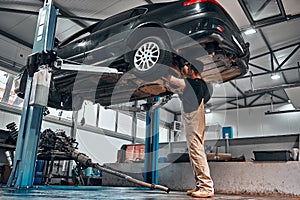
x=110 y=193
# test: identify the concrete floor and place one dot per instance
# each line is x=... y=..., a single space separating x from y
x=110 y=193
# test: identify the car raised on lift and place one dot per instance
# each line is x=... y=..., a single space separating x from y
x=144 y=44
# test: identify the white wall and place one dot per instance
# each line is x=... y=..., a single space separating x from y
x=6 y=118
x=100 y=148
x=253 y=122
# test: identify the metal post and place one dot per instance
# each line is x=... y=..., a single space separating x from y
x=176 y=133
x=73 y=136
x=134 y=125
x=98 y=115
x=22 y=174
x=117 y=121
x=152 y=145
x=8 y=87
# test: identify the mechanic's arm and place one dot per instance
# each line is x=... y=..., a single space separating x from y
x=176 y=85
x=179 y=82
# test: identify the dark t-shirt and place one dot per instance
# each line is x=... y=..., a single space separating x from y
x=193 y=93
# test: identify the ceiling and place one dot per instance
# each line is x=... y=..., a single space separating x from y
x=275 y=47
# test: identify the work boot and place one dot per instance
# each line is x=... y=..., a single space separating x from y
x=189 y=192
x=202 y=194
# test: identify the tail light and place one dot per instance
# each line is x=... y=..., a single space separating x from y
x=191 y=2
x=220 y=28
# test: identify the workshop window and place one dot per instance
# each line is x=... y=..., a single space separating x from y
x=7 y=87
x=263 y=9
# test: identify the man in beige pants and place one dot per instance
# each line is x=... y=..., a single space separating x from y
x=195 y=94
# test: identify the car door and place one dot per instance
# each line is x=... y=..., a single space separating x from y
x=108 y=39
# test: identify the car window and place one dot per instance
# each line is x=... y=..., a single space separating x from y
x=121 y=17
x=80 y=34
x=138 y=11
x=117 y=18
x=97 y=27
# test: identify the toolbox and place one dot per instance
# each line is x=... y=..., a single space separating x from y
x=272 y=155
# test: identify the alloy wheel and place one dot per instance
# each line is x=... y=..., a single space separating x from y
x=146 y=56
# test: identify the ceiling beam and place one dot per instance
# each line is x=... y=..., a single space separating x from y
x=223 y=97
x=272 y=88
x=266 y=73
x=284 y=78
x=254 y=100
x=263 y=7
x=279 y=97
x=257 y=93
x=217 y=105
x=25 y=12
x=256 y=105
x=275 y=50
x=68 y=14
x=14 y=38
x=230 y=100
x=28 y=12
x=273 y=57
x=235 y=104
x=237 y=88
x=258 y=67
x=269 y=47
x=281 y=8
x=288 y=57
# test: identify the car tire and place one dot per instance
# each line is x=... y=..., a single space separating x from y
x=150 y=58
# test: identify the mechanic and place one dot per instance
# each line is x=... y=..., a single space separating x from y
x=195 y=94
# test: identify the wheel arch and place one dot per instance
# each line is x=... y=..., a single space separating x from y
x=136 y=36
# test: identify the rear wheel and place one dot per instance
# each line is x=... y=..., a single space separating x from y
x=150 y=58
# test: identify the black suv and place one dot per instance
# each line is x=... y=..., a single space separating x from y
x=145 y=44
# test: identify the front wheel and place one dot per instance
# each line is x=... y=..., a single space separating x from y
x=151 y=58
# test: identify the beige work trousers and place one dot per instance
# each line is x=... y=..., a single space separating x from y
x=194 y=126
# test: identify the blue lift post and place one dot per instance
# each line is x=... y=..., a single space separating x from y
x=152 y=145
x=35 y=100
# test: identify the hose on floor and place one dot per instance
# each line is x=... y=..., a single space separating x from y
x=85 y=160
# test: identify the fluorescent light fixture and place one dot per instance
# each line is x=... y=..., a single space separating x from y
x=250 y=31
x=275 y=77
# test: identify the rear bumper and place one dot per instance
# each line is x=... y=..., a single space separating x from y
x=228 y=45
x=210 y=26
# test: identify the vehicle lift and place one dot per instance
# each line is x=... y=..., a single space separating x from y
x=35 y=101
x=151 y=143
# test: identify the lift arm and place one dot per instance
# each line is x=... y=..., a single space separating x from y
x=85 y=68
